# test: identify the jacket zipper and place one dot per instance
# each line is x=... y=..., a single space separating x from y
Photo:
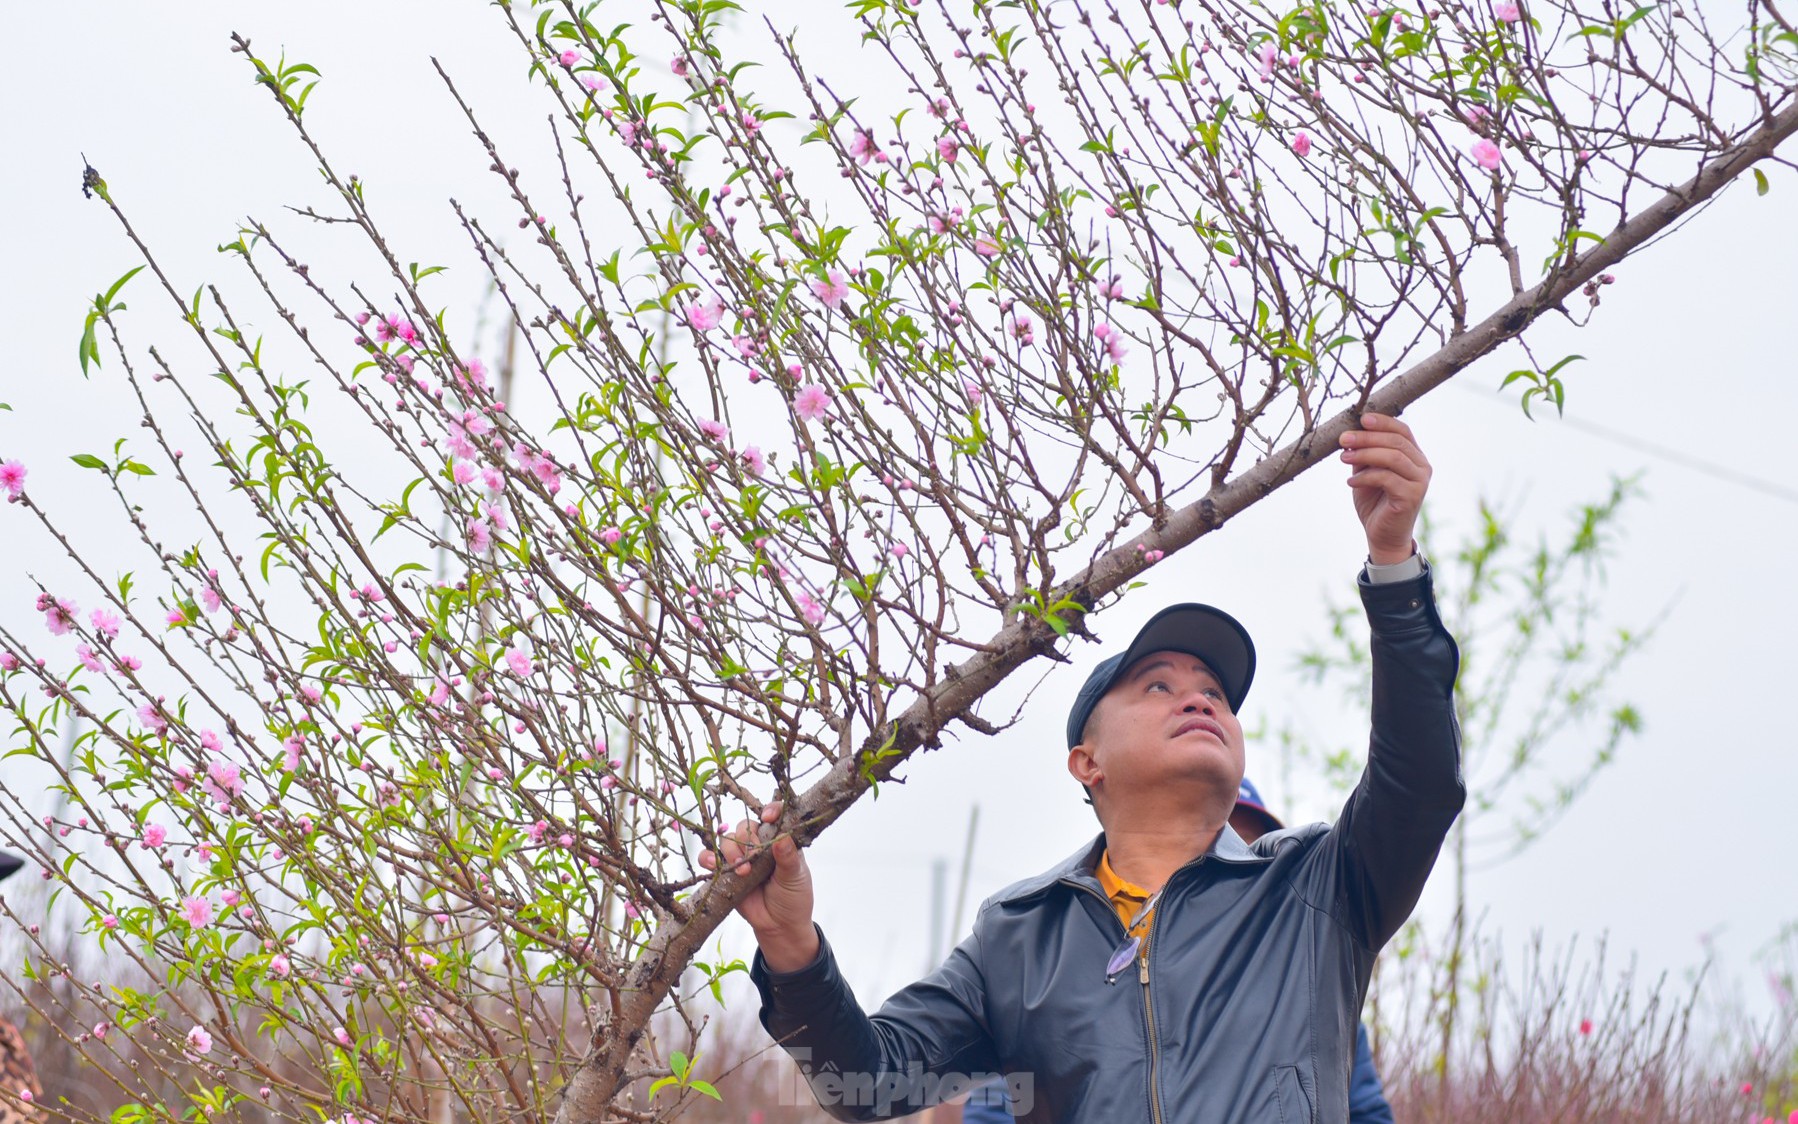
x=1148 y=1008
x=1142 y=974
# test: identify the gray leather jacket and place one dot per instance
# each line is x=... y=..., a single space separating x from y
x=1259 y=957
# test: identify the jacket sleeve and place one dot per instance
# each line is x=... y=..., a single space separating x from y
x=928 y=1043
x=1393 y=824
x=1367 y=1100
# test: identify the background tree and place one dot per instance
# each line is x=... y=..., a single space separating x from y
x=854 y=411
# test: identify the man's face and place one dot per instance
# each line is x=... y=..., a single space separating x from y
x=1165 y=722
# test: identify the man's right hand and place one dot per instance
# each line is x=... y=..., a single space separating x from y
x=780 y=909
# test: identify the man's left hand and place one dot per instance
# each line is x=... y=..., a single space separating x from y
x=1390 y=478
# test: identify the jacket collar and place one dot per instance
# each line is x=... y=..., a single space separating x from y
x=1080 y=868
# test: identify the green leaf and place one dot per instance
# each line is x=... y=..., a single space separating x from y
x=1761 y=186
x=119 y=284
x=88 y=460
x=706 y=1088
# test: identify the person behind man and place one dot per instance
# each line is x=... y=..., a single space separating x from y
x=1169 y=971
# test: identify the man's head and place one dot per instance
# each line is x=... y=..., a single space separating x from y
x=1160 y=717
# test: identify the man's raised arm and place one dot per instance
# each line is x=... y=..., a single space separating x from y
x=1393 y=825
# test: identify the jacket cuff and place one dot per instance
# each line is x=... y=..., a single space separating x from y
x=1400 y=606
x=797 y=989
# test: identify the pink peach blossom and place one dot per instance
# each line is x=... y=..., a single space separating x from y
x=831 y=288
x=1301 y=144
x=59 y=614
x=12 y=478
x=105 y=623
x=812 y=402
x=152 y=718
x=704 y=317
x=196 y=911
x=478 y=536
x=1269 y=57
x=862 y=147
x=198 y=1041
x=1485 y=153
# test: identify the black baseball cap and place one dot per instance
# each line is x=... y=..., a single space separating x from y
x=10 y=864
x=1199 y=630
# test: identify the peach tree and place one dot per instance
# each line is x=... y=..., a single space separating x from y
x=407 y=680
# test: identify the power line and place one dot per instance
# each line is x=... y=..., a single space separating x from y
x=1674 y=456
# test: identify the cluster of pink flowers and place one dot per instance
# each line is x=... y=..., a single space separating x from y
x=224 y=782
x=391 y=328
x=1113 y=341
x=540 y=465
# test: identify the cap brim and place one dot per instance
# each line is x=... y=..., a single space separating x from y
x=1200 y=630
x=10 y=864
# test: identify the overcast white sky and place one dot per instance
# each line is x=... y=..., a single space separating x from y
x=1690 y=833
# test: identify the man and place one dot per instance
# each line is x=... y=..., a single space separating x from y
x=1250 y=819
x=1169 y=972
